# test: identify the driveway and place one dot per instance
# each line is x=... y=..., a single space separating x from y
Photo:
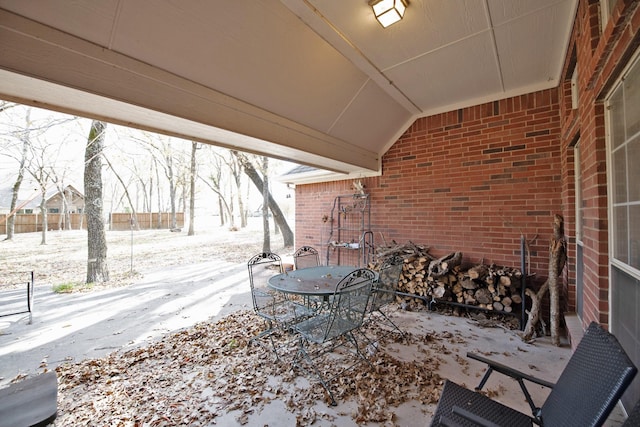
x=68 y=327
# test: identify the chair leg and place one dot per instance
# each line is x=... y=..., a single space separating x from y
x=303 y=352
x=267 y=333
x=392 y=323
x=351 y=337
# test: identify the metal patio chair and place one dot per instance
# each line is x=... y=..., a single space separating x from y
x=278 y=312
x=306 y=256
x=384 y=289
x=586 y=392
x=338 y=320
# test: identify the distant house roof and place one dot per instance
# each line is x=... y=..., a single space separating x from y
x=29 y=198
x=302 y=174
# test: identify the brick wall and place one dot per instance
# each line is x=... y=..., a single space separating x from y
x=600 y=55
x=471 y=180
x=474 y=179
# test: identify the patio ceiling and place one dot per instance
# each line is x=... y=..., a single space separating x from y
x=317 y=82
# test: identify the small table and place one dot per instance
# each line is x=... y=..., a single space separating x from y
x=319 y=281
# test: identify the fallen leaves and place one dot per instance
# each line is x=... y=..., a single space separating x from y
x=192 y=376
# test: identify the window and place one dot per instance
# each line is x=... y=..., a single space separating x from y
x=623 y=149
x=624 y=143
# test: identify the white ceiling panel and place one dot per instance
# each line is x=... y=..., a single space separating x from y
x=470 y=63
x=535 y=56
x=317 y=81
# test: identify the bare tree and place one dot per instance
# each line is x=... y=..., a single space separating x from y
x=64 y=219
x=97 y=270
x=236 y=172
x=278 y=216
x=23 y=136
x=164 y=156
x=214 y=180
x=34 y=151
x=192 y=189
x=266 y=236
x=42 y=165
x=125 y=188
x=159 y=193
x=6 y=105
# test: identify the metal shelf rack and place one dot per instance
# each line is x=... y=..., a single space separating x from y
x=350 y=239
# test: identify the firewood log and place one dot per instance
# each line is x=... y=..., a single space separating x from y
x=468 y=284
x=505 y=280
x=442 y=266
x=478 y=272
x=483 y=296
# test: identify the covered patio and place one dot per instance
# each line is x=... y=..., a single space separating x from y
x=108 y=365
x=469 y=124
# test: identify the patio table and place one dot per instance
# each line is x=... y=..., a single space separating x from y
x=311 y=281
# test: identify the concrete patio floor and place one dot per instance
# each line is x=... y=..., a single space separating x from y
x=73 y=327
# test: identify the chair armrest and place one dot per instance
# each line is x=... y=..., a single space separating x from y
x=476 y=419
x=445 y=421
x=506 y=370
x=516 y=375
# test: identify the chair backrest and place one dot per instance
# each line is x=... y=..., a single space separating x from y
x=591 y=384
x=384 y=288
x=306 y=256
x=261 y=267
x=348 y=305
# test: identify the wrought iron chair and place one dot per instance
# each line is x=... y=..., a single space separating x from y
x=306 y=256
x=278 y=312
x=586 y=392
x=343 y=315
x=384 y=289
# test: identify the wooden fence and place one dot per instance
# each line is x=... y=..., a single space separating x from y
x=146 y=221
x=30 y=223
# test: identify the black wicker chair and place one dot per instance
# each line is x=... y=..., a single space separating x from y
x=588 y=389
x=30 y=402
x=633 y=419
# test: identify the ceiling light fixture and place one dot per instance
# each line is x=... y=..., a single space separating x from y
x=388 y=12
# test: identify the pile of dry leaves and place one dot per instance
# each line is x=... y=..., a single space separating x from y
x=192 y=376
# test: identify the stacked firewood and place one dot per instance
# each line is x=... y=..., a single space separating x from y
x=490 y=287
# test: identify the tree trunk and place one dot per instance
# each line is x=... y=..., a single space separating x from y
x=534 y=313
x=278 y=216
x=11 y=220
x=557 y=261
x=558 y=257
x=266 y=240
x=159 y=221
x=45 y=219
x=221 y=210
x=97 y=270
x=172 y=188
x=192 y=190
